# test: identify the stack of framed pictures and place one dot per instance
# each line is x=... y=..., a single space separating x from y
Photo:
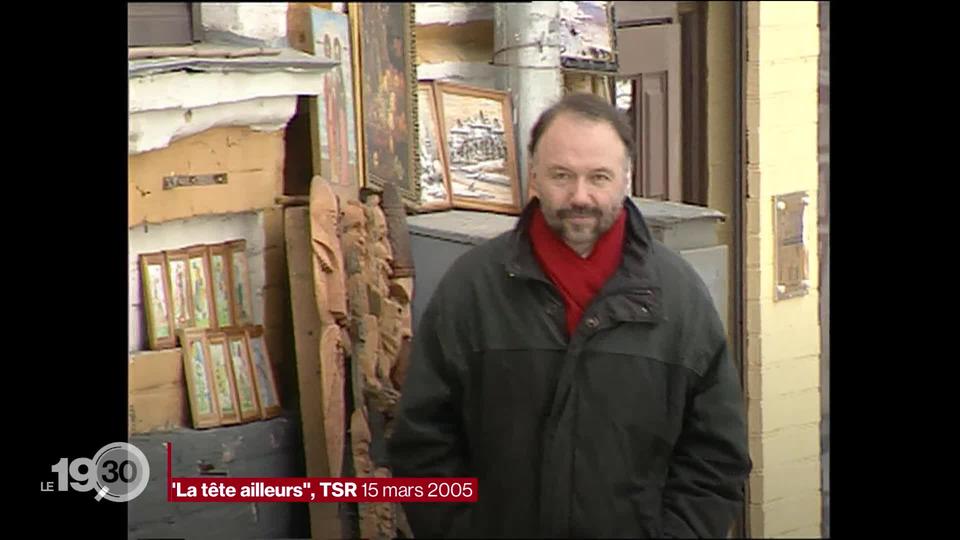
x=201 y=296
x=229 y=376
x=202 y=286
x=467 y=148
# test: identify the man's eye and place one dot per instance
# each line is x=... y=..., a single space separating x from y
x=561 y=175
x=600 y=178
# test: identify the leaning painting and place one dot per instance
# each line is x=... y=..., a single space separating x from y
x=335 y=133
x=587 y=36
x=434 y=179
x=478 y=140
x=388 y=98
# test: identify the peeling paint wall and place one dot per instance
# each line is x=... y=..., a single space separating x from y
x=262 y=23
x=455 y=42
x=153 y=130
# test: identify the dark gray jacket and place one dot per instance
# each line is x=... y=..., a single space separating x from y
x=632 y=427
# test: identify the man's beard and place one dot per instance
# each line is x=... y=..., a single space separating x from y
x=584 y=233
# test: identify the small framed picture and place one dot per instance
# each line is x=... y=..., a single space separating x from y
x=263 y=373
x=243 y=375
x=223 y=381
x=222 y=284
x=178 y=269
x=199 y=375
x=202 y=291
x=156 y=302
x=241 y=292
x=477 y=133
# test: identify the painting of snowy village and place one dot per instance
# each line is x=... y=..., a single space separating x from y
x=587 y=36
x=479 y=145
x=434 y=178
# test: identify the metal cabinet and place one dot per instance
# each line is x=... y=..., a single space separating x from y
x=438 y=239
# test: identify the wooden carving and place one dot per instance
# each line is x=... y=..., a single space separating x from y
x=397 y=232
x=380 y=253
x=333 y=379
x=360 y=443
x=328 y=272
x=401 y=289
x=367 y=349
x=363 y=467
x=399 y=373
x=386 y=516
x=390 y=337
x=357 y=296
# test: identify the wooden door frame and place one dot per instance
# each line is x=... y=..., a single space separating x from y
x=693 y=94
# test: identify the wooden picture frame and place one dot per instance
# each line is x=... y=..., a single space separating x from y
x=228 y=405
x=435 y=191
x=386 y=90
x=180 y=288
x=264 y=380
x=204 y=410
x=198 y=259
x=155 y=285
x=333 y=128
x=588 y=36
x=478 y=142
x=222 y=283
x=241 y=294
x=243 y=375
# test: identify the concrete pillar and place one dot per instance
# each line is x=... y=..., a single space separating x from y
x=527 y=48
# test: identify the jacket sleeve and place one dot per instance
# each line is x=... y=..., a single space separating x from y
x=428 y=439
x=711 y=460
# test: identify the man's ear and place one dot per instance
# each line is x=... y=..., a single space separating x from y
x=531 y=181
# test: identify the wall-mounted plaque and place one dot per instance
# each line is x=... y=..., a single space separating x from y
x=790 y=259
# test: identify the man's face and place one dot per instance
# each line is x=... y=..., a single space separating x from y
x=579 y=173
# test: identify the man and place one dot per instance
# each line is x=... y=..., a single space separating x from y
x=575 y=365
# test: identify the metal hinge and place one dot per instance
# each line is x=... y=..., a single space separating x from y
x=184 y=180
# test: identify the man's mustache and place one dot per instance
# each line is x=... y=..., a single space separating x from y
x=579 y=211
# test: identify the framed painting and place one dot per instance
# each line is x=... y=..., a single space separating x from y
x=478 y=143
x=386 y=87
x=262 y=373
x=155 y=285
x=434 y=180
x=588 y=36
x=241 y=294
x=199 y=375
x=222 y=284
x=243 y=375
x=201 y=291
x=223 y=382
x=334 y=125
x=178 y=268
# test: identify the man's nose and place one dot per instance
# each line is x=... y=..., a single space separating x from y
x=581 y=193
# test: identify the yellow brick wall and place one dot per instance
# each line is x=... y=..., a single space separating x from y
x=783 y=338
x=721 y=137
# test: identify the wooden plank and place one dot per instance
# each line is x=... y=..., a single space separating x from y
x=324 y=522
x=252 y=160
x=276 y=301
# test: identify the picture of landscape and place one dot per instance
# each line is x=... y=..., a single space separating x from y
x=478 y=138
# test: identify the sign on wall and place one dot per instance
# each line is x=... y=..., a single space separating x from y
x=790 y=259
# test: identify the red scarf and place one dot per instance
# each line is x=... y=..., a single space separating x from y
x=578 y=279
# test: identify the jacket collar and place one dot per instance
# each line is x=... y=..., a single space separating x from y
x=634 y=272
